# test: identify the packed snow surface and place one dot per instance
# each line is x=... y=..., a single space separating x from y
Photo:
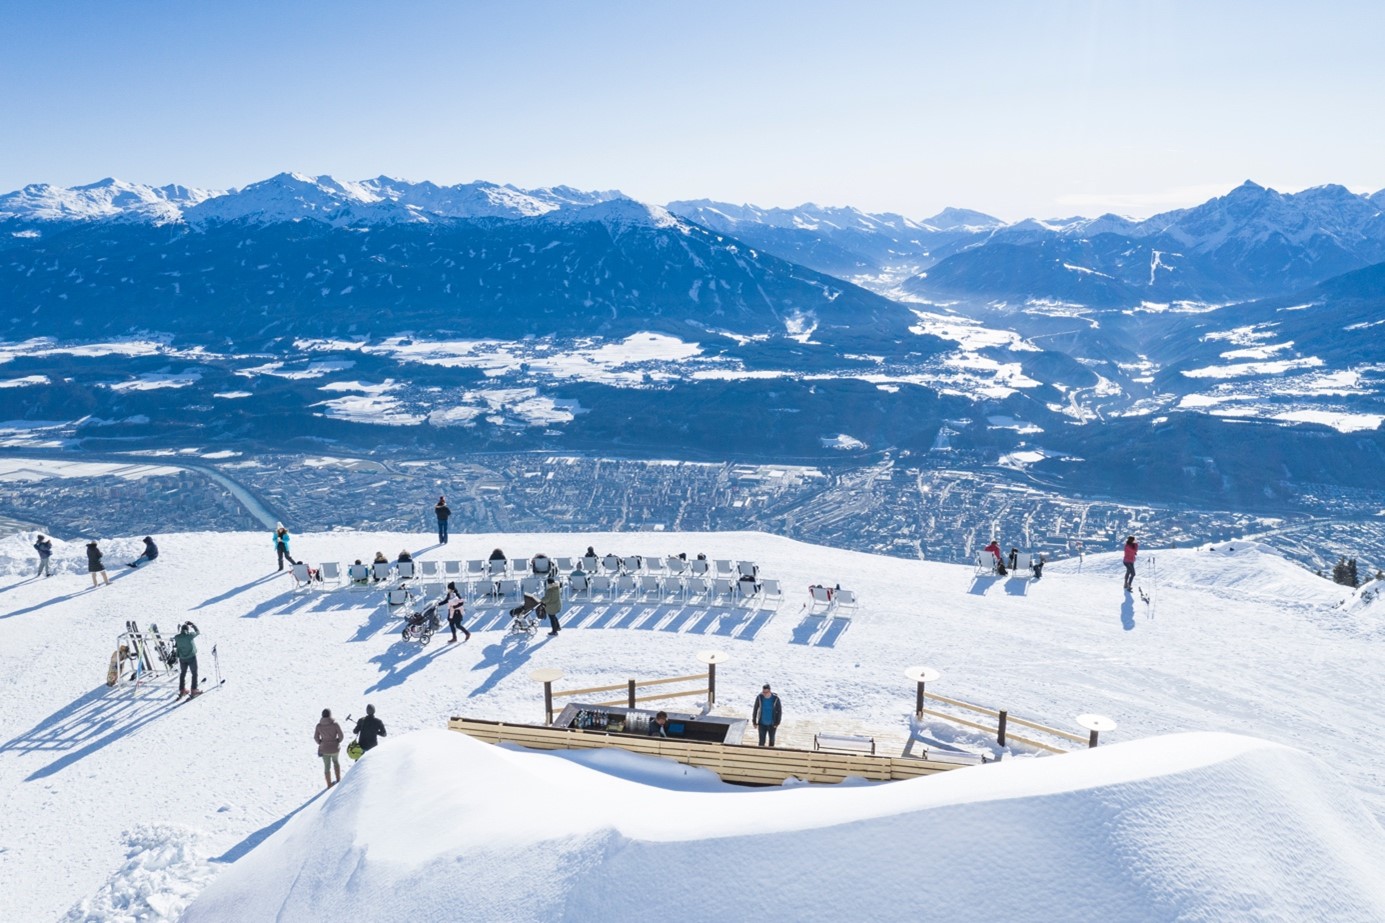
x=119 y=804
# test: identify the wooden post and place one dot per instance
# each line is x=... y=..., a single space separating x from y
x=632 y=693
x=1091 y=741
x=548 y=702
x=711 y=684
x=548 y=676
x=918 y=702
x=1000 y=730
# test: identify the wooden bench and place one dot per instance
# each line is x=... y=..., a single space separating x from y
x=845 y=743
x=739 y=763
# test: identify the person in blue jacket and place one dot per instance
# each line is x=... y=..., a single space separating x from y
x=281 y=544
x=767 y=714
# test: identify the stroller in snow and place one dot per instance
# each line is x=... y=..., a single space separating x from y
x=524 y=619
x=420 y=626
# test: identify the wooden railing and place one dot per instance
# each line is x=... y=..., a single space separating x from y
x=732 y=762
x=1001 y=726
x=631 y=688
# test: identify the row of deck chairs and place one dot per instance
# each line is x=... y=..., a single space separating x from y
x=633 y=578
x=1024 y=564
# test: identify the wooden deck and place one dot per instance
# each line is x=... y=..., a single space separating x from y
x=746 y=765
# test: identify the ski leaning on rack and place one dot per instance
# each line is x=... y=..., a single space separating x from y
x=163 y=648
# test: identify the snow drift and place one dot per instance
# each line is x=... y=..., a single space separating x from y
x=1194 y=827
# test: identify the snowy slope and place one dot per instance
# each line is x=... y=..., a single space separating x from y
x=118 y=799
x=1136 y=831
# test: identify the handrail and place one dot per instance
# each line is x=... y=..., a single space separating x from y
x=1009 y=718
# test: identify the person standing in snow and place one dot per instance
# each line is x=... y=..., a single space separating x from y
x=369 y=729
x=456 y=607
x=281 y=544
x=442 y=511
x=329 y=737
x=186 y=645
x=1038 y=567
x=94 y=565
x=552 y=604
x=767 y=714
x=45 y=551
x=151 y=551
x=1131 y=549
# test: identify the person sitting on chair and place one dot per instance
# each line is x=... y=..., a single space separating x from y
x=404 y=557
x=359 y=573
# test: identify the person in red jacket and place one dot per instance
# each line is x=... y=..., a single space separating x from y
x=1131 y=549
x=994 y=549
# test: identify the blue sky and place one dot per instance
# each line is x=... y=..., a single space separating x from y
x=1018 y=109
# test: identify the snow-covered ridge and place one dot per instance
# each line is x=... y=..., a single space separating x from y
x=295 y=196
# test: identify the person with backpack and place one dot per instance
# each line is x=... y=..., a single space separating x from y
x=94 y=565
x=329 y=737
x=185 y=644
x=1132 y=548
x=552 y=604
x=281 y=544
x=369 y=729
x=456 y=607
x=151 y=551
x=443 y=513
x=45 y=551
x=767 y=714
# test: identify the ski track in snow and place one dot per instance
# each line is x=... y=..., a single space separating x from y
x=113 y=797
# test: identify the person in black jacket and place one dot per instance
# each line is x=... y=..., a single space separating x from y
x=45 y=551
x=94 y=565
x=767 y=714
x=151 y=551
x=443 y=513
x=369 y=729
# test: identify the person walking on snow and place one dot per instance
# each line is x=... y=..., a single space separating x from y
x=45 y=551
x=456 y=606
x=281 y=544
x=329 y=737
x=767 y=714
x=369 y=729
x=1131 y=549
x=552 y=604
x=151 y=551
x=94 y=565
x=186 y=645
x=442 y=512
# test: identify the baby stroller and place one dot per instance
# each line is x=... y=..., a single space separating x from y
x=524 y=619
x=419 y=626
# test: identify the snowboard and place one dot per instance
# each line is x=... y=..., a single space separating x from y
x=113 y=671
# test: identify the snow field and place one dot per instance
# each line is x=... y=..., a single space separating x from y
x=1234 y=641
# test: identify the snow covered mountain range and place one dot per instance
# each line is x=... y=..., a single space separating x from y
x=487 y=316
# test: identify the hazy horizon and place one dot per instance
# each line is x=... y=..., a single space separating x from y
x=1018 y=110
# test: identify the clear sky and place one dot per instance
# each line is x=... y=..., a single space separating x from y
x=1043 y=108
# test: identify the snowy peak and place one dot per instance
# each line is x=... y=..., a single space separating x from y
x=107 y=199
x=617 y=214
x=963 y=219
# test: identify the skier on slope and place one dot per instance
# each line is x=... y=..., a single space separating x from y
x=186 y=645
x=369 y=729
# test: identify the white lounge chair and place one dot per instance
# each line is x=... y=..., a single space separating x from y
x=429 y=572
x=624 y=586
x=519 y=566
x=565 y=565
x=699 y=567
x=651 y=587
x=405 y=570
x=579 y=585
x=380 y=571
x=724 y=568
x=675 y=565
x=331 y=572
x=359 y=575
x=532 y=585
x=843 y=600
x=723 y=591
x=821 y=598
x=301 y=579
x=747 y=569
x=611 y=564
x=631 y=564
x=696 y=588
x=771 y=592
x=599 y=585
